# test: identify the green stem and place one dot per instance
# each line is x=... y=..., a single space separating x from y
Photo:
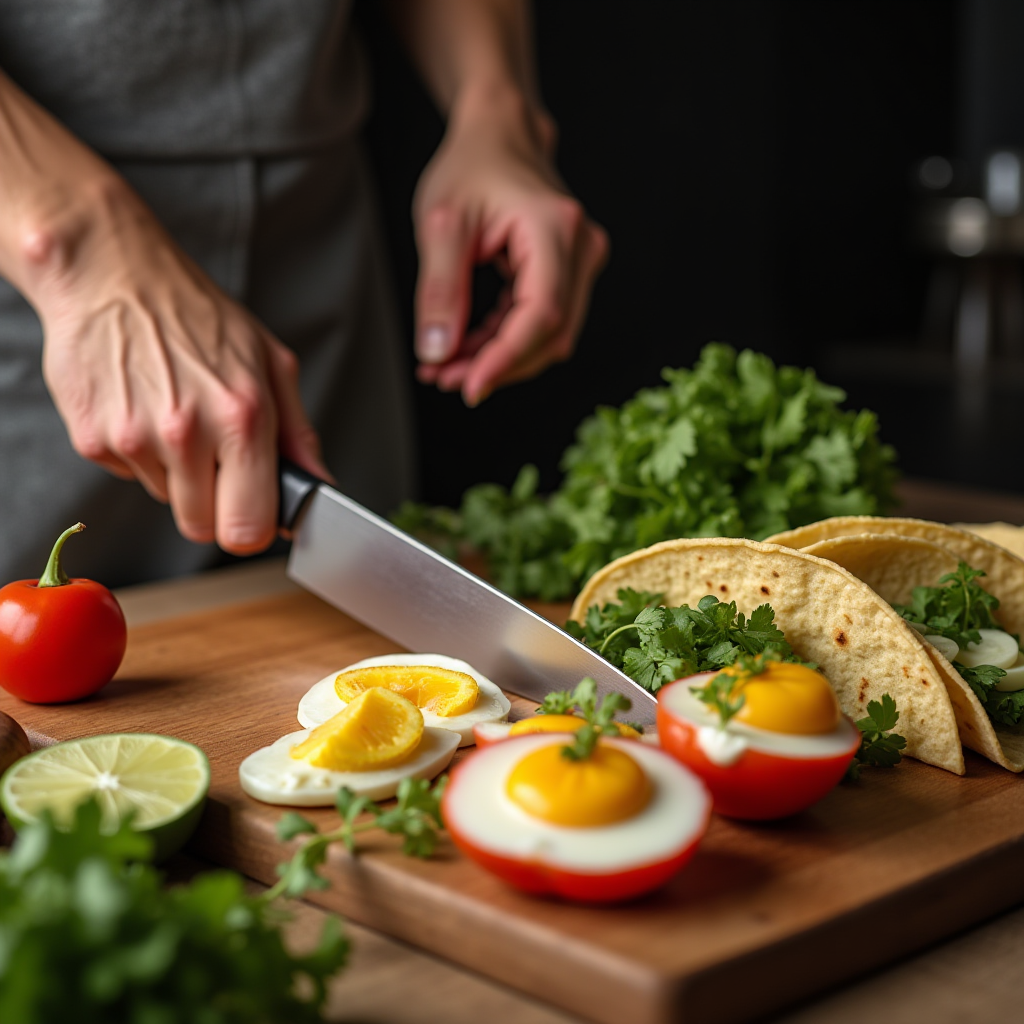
x=327 y=838
x=614 y=633
x=54 y=574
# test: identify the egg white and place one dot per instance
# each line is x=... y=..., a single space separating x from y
x=478 y=806
x=679 y=701
x=272 y=775
x=322 y=702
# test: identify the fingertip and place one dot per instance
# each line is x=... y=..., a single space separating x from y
x=435 y=343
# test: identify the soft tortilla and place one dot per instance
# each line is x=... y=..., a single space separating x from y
x=1004 y=571
x=828 y=615
x=1004 y=534
x=892 y=566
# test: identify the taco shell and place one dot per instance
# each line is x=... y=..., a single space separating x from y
x=1004 y=571
x=892 y=565
x=828 y=615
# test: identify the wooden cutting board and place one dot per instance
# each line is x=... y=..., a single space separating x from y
x=764 y=914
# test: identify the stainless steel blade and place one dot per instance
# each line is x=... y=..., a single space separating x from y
x=409 y=593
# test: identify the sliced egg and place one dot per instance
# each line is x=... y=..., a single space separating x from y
x=491 y=732
x=272 y=775
x=1014 y=678
x=996 y=648
x=322 y=702
x=485 y=819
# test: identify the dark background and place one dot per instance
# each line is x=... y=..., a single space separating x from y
x=753 y=162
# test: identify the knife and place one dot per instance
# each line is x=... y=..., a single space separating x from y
x=409 y=593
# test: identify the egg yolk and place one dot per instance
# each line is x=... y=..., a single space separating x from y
x=602 y=789
x=789 y=698
x=561 y=723
x=443 y=691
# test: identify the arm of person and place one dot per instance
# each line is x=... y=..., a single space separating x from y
x=491 y=194
x=157 y=374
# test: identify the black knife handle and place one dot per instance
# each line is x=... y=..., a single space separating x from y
x=296 y=486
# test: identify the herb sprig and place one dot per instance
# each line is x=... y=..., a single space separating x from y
x=733 y=447
x=957 y=608
x=655 y=645
x=724 y=692
x=598 y=718
x=879 y=745
x=416 y=816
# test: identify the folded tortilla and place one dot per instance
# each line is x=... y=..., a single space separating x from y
x=892 y=565
x=1004 y=571
x=828 y=615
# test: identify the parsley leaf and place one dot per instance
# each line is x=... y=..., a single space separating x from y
x=734 y=447
x=879 y=745
x=655 y=646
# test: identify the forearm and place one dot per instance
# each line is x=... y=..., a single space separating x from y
x=475 y=56
x=51 y=189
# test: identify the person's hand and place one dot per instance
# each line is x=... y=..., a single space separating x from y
x=491 y=194
x=160 y=376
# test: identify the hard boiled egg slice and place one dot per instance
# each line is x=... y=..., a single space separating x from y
x=275 y=777
x=322 y=702
x=645 y=832
x=369 y=746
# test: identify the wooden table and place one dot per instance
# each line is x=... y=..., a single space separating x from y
x=975 y=977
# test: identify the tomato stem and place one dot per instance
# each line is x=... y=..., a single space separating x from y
x=54 y=574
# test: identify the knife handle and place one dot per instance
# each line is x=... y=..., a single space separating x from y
x=296 y=486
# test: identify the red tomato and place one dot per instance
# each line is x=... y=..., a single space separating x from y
x=60 y=641
x=544 y=880
x=761 y=785
x=469 y=795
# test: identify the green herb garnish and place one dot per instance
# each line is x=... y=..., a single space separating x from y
x=724 y=692
x=655 y=646
x=735 y=447
x=879 y=745
x=957 y=608
x=598 y=718
x=416 y=817
x=89 y=931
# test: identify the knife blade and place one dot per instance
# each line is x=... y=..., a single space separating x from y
x=413 y=595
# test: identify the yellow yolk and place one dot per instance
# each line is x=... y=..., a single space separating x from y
x=378 y=729
x=607 y=787
x=562 y=723
x=443 y=691
x=788 y=698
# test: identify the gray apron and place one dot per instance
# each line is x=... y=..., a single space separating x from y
x=236 y=121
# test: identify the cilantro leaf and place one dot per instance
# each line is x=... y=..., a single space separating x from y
x=733 y=447
x=879 y=745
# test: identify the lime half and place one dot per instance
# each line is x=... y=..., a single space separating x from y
x=161 y=779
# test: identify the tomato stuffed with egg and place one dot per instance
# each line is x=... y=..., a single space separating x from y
x=767 y=739
x=607 y=826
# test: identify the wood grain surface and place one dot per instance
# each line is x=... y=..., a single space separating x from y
x=789 y=908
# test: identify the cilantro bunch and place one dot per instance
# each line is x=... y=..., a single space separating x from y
x=89 y=932
x=958 y=608
x=735 y=447
x=655 y=645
